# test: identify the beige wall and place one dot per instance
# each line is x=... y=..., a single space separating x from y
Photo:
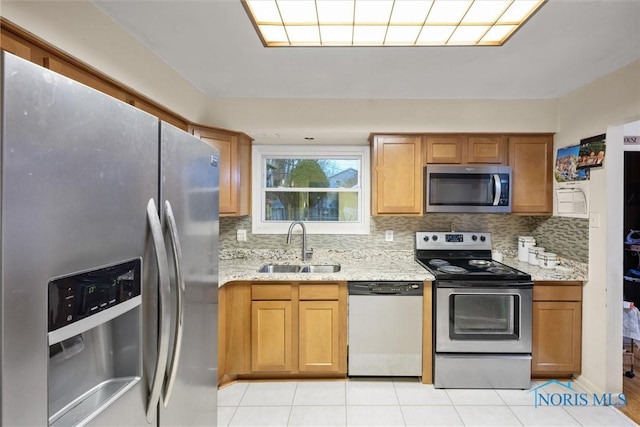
x=591 y=110
x=84 y=32
x=351 y=120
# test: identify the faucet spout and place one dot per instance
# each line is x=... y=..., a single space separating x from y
x=305 y=252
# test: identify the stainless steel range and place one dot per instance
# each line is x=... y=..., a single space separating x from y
x=482 y=313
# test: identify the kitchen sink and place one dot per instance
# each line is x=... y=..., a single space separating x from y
x=279 y=268
x=324 y=268
x=292 y=268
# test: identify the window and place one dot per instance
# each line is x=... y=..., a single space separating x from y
x=327 y=187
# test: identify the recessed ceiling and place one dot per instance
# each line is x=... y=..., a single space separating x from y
x=212 y=44
x=291 y=23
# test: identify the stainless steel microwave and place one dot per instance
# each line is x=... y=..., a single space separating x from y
x=467 y=188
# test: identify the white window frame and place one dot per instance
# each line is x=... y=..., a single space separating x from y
x=258 y=178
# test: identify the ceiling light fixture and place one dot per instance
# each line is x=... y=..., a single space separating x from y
x=285 y=23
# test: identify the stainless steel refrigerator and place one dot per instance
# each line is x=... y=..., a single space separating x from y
x=109 y=248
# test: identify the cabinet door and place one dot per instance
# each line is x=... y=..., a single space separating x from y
x=557 y=338
x=14 y=45
x=319 y=343
x=531 y=158
x=397 y=175
x=235 y=169
x=78 y=74
x=445 y=149
x=271 y=336
x=159 y=113
x=485 y=149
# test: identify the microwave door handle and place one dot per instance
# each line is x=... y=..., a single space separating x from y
x=497 y=186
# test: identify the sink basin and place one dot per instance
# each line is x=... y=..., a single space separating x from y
x=292 y=268
x=324 y=268
x=279 y=268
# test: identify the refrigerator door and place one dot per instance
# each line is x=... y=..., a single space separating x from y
x=189 y=189
x=78 y=169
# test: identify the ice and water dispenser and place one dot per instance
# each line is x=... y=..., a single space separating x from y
x=95 y=340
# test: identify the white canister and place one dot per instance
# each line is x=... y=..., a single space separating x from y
x=534 y=251
x=547 y=260
x=524 y=243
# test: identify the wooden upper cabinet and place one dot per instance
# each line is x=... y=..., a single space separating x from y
x=397 y=175
x=14 y=45
x=159 y=113
x=79 y=75
x=235 y=168
x=531 y=160
x=486 y=149
x=463 y=149
x=444 y=149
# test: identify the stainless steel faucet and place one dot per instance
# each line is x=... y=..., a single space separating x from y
x=305 y=252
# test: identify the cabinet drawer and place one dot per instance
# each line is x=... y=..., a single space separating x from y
x=270 y=292
x=325 y=291
x=557 y=293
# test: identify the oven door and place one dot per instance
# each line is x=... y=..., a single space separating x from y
x=474 y=319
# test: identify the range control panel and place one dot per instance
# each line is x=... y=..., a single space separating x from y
x=442 y=240
x=78 y=296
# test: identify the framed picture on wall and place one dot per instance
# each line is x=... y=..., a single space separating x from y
x=592 y=150
x=567 y=165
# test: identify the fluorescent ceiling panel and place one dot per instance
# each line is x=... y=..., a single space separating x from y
x=287 y=23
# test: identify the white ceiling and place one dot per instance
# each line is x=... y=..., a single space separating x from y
x=567 y=44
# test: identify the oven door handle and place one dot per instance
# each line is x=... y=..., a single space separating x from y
x=497 y=186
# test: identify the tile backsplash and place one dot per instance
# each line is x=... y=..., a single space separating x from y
x=568 y=237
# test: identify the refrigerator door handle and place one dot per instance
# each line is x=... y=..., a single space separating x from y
x=180 y=289
x=164 y=295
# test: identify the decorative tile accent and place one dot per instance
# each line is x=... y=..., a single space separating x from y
x=568 y=237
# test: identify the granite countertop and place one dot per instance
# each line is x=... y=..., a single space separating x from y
x=354 y=265
x=243 y=264
x=565 y=271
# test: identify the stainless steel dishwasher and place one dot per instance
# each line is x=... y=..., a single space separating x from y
x=385 y=328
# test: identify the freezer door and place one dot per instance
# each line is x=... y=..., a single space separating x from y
x=189 y=188
x=78 y=169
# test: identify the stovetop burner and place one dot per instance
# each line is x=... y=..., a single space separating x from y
x=500 y=270
x=480 y=263
x=452 y=269
x=462 y=256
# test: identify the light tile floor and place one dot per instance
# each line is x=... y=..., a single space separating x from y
x=396 y=402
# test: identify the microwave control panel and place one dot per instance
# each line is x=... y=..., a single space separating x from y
x=78 y=296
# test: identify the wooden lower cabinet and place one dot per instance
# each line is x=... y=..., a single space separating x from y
x=283 y=330
x=319 y=336
x=271 y=338
x=557 y=329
